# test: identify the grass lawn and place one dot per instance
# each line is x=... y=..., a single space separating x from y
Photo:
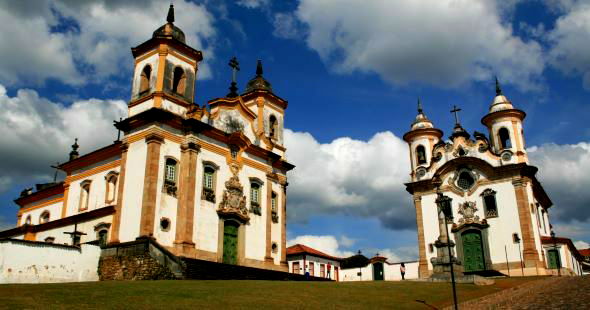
x=240 y=294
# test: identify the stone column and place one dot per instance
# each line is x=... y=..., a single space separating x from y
x=284 y=226
x=267 y=256
x=422 y=263
x=186 y=197
x=529 y=252
x=115 y=226
x=148 y=205
x=443 y=260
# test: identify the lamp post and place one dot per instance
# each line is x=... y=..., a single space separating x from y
x=517 y=240
x=360 y=269
x=557 y=256
x=444 y=206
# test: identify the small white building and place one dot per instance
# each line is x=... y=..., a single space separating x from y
x=303 y=259
x=360 y=268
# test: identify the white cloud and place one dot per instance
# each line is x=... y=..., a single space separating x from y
x=286 y=26
x=570 y=53
x=580 y=245
x=41 y=132
x=326 y=244
x=93 y=40
x=253 y=4
x=446 y=43
x=350 y=176
x=563 y=171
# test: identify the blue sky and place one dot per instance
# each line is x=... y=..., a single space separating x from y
x=351 y=71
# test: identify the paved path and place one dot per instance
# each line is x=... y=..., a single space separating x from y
x=551 y=293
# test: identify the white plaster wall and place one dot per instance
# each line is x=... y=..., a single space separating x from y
x=316 y=261
x=153 y=62
x=86 y=227
x=173 y=107
x=166 y=205
x=133 y=191
x=392 y=271
x=256 y=228
x=351 y=274
x=220 y=122
x=276 y=228
x=97 y=192
x=144 y=106
x=44 y=263
x=54 y=213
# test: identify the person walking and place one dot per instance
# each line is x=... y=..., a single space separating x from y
x=402 y=270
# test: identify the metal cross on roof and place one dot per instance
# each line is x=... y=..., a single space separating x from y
x=56 y=167
x=118 y=130
x=455 y=110
x=75 y=235
x=235 y=67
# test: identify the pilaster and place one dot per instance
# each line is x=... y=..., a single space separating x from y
x=152 y=164
x=284 y=226
x=422 y=262
x=530 y=255
x=268 y=250
x=116 y=224
x=186 y=198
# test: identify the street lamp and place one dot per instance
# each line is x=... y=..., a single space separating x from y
x=557 y=256
x=444 y=205
x=360 y=268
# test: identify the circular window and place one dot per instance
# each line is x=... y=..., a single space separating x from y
x=274 y=247
x=465 y=180
x=165 y=224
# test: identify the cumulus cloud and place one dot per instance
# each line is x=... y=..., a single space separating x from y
x=286 y=26
x=563 y=170
x=253 y=4
x=41 y=132
x=446 y=43
x=569 y=53
x=87 y=41
x=340 y=248
x=580 y=245
x=350 y=177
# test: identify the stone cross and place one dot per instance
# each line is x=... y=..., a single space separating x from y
x=235 y=67
x=455 y=110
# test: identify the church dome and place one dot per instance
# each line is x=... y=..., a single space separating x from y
x=421 y=120
x=169 y=30
x=258 y=82
x=500 y=101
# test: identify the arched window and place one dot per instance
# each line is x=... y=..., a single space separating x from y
x=274 y=207
x=489 y=203
x=111 y=188
x=272 y=124
x=101 y=236
x=144 y=81
x=421 y=155
x=179 y=81
x=255 y=198
x=50 y=239
x=208 y=183
x=44 y=218
x=84 y=195
x=28 y=220
x=504 y=137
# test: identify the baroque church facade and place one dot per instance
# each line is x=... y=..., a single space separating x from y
x=500 y=211
x=207 y=184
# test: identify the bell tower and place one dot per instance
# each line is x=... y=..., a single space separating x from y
x=504 y=124
x=165 y=71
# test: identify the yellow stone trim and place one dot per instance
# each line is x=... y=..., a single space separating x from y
x=142 y=135
x=95 y=170
x=182 y=57
x=145 y=56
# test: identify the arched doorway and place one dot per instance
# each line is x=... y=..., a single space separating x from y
x=473 y=254
x=230 y=242
x=378 y=271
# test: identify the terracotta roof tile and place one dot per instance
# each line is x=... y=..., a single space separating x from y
x=302 y=249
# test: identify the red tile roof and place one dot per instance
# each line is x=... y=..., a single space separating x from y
x=584 y=252
x=302 y=249
x=562 y=240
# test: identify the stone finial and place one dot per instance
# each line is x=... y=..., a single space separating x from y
x=74 y=153
x=498 y=89
x=170 y=17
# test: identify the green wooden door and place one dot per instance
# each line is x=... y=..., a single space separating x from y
x=553 y=259
x=473 y=259
x=230 y=243
x=378 y=271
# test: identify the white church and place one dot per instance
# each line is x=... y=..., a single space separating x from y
x=500 y=212
x=208 y=184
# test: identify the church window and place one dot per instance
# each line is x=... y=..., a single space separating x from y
x=255 y=198
x=538 y=216
x=44 y=218
x=49 y=239
x=273 y=208
x=489 y=203
x=84 y=195
x=111 y=191
x=274 y=247
x=179 y=81
x=466 y=180
x=322 y=270
x=102 y=237
x=144 y=84
x=28 y=220
x=430 y=248
x=272 y=127
x=543 y=215
x=208 y=192
x=311 y=269
x=165 y=224
x=170 y=173
x=421 y=155
x=504 y=137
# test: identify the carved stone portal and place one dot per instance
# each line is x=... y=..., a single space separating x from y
x=468 y=210
x=233 y=203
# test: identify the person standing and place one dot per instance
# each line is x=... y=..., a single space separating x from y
x=402 y=270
